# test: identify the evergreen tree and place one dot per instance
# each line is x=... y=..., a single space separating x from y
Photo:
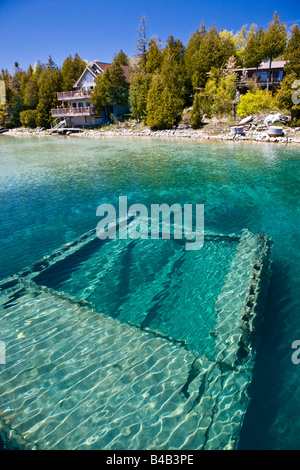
x=207 y=49
x=139 y=86
x=49 y=82
x=288 y=96
x=100 y=96
x=155 y=105
x=166 y=96
x=51 y=64
x=254 y=50
x=241 y=39
x=154 y=57
x=141 y=46
x=118 y=86
x=163 y=106
x=292 y=53
x=173 y=69
x=31 y=94
x=197 y=114
x=122 y=58
x=111 y=89
x=71 y=70
x=274 y=42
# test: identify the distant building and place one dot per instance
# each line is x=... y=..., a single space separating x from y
x=260 y=75
x=76 y=107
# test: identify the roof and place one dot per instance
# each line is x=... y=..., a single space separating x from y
x=100 y=68
x=127 y=72
x=102 y=65
x=276 y=64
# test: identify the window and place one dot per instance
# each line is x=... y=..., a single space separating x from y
x=263 y=76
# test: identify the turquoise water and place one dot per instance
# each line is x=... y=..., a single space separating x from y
x=51 y=187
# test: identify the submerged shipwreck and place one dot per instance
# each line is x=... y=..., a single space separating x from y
x=103 y=352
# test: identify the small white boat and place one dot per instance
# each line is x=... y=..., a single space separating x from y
x=274 y=131
x=246 y=120
x=237 y=129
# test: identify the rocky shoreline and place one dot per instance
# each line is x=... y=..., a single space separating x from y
x=290 y=135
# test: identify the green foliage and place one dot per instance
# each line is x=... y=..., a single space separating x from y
x=121 y=58
x=218 y=95
x=252 y=103
x=111 y=89
x=71 y=71
x=16 y=106
x=163 y=107
x=207 y=49
x=139 y=86
x=31 y=93
x=288 y=96
x=274 y=38
x=197 y=114
x=28 y=118
x=253 y=53
x=153 y=58
x=100 y=94
x=50 y=82
x=165 y=99
x=4 y=116
x=292 y=53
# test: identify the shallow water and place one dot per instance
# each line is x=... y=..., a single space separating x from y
x=51 y=187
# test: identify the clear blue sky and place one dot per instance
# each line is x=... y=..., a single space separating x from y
x=96 y=29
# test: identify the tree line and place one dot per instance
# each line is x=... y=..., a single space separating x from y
x=167 y=79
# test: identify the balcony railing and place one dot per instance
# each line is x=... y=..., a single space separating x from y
x=73 y=95
x=82 y=111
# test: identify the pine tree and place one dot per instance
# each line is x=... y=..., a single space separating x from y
x=141 y=46
x=51 y=64
x=288 y=96
x=197 y=114
x=100 y=95
x=31 y=94
x=49 y=82
x=292 y=53
x=154 y=57
x=71 y=70
x=139 y=86
x=122 y=58
x=274 y=41
x=207 y=49
x=111 y=89
x=118 y=86
x=155 y=106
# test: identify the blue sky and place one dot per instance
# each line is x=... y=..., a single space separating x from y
x=34 y=29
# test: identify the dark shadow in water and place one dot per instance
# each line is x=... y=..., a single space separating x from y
x=266 y=384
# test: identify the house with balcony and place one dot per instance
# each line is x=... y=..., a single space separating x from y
x=76 y=109
x=259 y=75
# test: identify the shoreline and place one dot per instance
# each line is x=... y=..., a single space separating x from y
x=191 y=134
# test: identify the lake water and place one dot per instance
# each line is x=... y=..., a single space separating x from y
x=50 y=189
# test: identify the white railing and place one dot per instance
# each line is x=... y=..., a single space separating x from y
x=67 y=95
x=84 y=110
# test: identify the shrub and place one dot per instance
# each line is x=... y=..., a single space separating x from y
x=28 y=118
x=252 y=103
